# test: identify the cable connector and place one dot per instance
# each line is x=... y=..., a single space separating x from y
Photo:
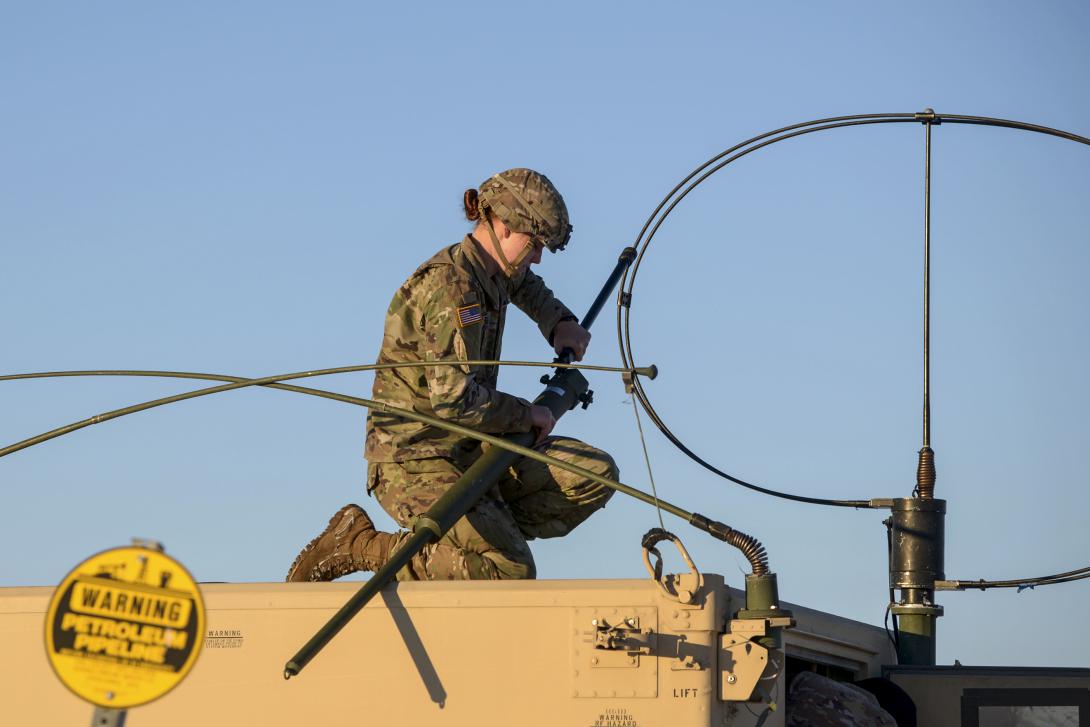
x=714 y=528
x=626 y=300
x=928 y=116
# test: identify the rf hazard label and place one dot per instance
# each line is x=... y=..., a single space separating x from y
x=124 y=627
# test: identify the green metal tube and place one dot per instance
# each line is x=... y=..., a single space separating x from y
x=649 y=371
x=427 y=529
x=268 y=381
x=916 y=625
x=496 y=441
x=763 y=601
x=387 y=573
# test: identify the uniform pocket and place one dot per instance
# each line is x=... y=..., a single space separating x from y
x=430 y=465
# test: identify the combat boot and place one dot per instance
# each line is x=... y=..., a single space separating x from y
x=349 y=543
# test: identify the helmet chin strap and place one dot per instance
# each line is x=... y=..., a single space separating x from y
x=526 y=252
x=508 y=269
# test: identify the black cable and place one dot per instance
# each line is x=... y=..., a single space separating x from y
x=1066 y=577
x=702 y=173
x=895 y=637
x=885 y=622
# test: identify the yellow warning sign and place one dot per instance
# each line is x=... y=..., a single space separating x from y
x=124 y=627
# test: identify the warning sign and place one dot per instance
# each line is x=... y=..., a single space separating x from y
x=124 y=627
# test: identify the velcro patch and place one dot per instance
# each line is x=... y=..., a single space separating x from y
x=468 y=315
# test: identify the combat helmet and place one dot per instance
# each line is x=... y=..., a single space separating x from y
x=527 y=202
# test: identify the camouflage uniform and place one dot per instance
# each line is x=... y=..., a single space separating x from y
x=453 y=308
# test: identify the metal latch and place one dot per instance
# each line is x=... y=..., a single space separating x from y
x=624 y=639
x=742 y=659
x=607 y=649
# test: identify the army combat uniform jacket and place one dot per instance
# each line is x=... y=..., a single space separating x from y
x=452 y=308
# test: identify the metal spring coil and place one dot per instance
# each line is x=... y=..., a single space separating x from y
x=925 y=474
x=752 y=549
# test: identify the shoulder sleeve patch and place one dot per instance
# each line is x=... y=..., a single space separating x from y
x=468 y=315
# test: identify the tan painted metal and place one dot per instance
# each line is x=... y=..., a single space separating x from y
x=582 y=653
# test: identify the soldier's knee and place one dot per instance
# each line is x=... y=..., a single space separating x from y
x=496 y=566
x=612 y=471
x=607 y=467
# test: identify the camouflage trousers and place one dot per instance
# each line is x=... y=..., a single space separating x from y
x=532 y=500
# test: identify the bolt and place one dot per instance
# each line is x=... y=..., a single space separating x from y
x=594 y=622
x=731 y=679
x=594 y=660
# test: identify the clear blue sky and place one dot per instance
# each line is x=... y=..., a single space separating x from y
x=239 y=188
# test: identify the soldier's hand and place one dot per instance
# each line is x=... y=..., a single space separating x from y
x=542 y=420
x=569 y=334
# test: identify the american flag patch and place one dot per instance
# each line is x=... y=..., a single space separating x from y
x=467 y=315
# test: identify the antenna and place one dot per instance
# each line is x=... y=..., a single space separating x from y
x=917 y=524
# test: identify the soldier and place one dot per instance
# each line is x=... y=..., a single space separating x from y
x=453 y=307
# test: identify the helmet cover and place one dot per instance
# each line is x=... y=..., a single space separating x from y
x=527 y=202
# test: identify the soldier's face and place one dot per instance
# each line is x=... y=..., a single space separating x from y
x=523 y=250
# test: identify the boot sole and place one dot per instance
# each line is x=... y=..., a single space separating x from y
x=333 y=522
